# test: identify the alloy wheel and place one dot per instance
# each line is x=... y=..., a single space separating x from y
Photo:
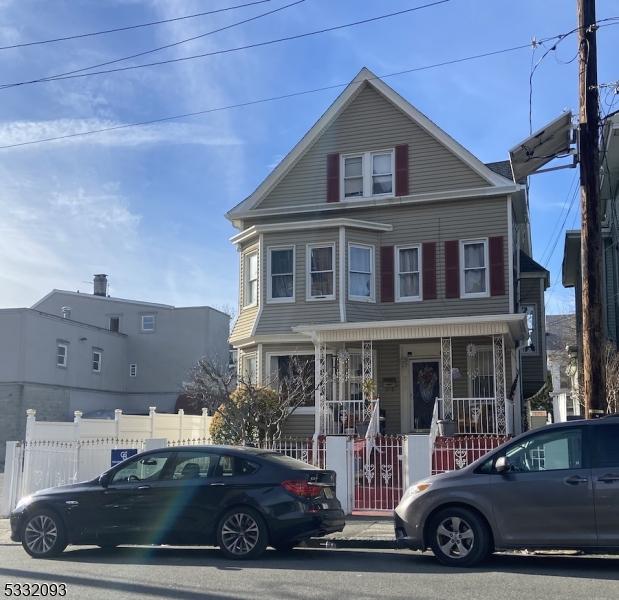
x=455 y=537
x=40 y=534
x=240 y=533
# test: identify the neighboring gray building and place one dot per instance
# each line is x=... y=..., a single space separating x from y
x=75 y=351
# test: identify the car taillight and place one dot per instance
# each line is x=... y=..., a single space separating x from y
x=302 y=488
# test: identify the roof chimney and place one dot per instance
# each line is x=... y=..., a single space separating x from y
x=100 y=285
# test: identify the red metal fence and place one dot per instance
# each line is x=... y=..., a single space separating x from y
x=451 y=453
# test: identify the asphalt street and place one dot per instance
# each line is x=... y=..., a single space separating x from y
x=185 y=574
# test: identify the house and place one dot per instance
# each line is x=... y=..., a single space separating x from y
x=609 y=198
x=92 y=352
x=385 y=252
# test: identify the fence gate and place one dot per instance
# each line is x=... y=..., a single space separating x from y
x=377 y=473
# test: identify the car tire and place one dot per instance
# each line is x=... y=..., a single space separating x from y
x=242 y=533
x=44 y=534
x=459 y=537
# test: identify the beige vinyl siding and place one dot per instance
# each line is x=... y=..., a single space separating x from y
x=370 y=122
x=533 y=365
x=244 y=323
x=280 y=318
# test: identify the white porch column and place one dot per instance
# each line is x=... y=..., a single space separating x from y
x=367 y=362
x=446 y=378
x=500 y=392
x=320 y=394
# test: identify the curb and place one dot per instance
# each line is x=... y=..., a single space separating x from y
x=350 y=543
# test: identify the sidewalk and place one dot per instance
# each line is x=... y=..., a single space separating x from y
x=360 y=532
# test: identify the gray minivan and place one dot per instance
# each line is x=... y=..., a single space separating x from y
x=552 y=488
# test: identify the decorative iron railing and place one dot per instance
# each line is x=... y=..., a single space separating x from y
x=471 y=415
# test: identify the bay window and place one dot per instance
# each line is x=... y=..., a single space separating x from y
x=281 y=275
x=321 y=272
x=360 y=272
x=250 y=295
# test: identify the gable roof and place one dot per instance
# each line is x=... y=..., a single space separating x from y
x=364 y=77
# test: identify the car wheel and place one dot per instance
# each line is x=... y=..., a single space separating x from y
x=284 y=546
x=458 y=537
x=242 y=533
x=44 y=534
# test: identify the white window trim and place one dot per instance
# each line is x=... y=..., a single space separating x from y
x=245 y=374
x=300 y=410
x=142 y=328
x=372 y=249
x=396 y=260
x=308 y=272
x=366 y=172
x=270 y=299
x=534 y=338
x=135 y=369
x=485 y=294
x=65 y=364
x=100 y=361
x=246 y=257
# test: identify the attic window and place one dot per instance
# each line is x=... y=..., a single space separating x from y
x=368 y=174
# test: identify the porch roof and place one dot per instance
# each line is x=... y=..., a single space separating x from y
x=513 y=325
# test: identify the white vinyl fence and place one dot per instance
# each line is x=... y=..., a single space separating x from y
x=57 y=453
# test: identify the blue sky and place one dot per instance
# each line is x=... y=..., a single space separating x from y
x=146 y=205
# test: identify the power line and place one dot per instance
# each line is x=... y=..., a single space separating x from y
x=129 y=27
x=229 y=50
x=171 y=45
x=261 y=100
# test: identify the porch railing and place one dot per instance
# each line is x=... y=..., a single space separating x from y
x=348 y=417
x=472 y=415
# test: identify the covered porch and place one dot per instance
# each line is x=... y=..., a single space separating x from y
x=400 y=377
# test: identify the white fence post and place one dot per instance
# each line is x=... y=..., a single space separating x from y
x=416 y=458
x=118 y=413
x=26 y=473
x=337 y=460
x=206 y=434
x=152 y=411
x=181 y=414
x=12 y=472
x=77 y=422
x=31 y=423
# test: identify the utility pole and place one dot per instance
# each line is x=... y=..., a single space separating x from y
x=593 y=338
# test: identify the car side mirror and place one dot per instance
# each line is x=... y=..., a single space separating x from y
x=501 y=465
x=104 y=480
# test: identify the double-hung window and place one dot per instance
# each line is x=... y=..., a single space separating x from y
x=368 y=174
x=321 y=272
x=474 y=268
x=281 y=275
x=250 y=296
x=97 y=358
x=148 y=323
x=250 y=369
x=62 y=354
x=530 y=312
x=360 y=272
x=408 y=276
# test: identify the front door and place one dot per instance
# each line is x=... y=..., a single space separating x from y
x=425 y=389
x=606 y=482
x=546 y=497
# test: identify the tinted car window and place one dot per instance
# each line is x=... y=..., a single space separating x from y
x=548 y=451
x=293 y=463
x=235 y=465
x=606 y=445
x=147 y=468
x=193 y=465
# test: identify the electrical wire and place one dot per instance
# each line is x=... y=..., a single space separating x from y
x=228 y=50
x=261 y=100
x=166 y=46
x=131 y=27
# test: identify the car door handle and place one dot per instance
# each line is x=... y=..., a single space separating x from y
x=143 y=487
x=575 y=480
x=609 y=478
x=218 y=483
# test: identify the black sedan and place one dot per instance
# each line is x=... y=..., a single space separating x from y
x=240 y=499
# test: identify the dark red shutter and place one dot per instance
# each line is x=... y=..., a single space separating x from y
x=401 y=170
x=452 y=269
x=333 y=177
x=428 y=265
x=497 y=266
x=386 y=274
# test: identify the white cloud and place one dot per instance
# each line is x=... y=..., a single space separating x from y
x=17 y=132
